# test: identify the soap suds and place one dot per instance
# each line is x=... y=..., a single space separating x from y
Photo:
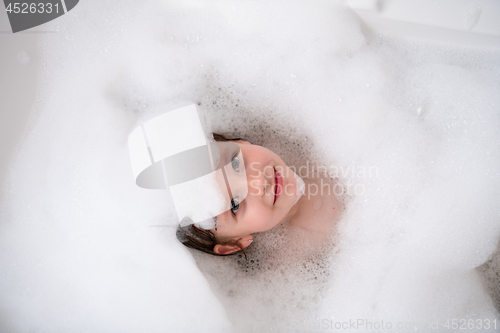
x=79 y=246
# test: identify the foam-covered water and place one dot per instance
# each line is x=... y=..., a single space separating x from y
x=308 y=81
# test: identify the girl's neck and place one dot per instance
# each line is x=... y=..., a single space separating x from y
x=318 y=209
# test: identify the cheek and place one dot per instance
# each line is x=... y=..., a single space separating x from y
x=263 y=219
x=258 y=154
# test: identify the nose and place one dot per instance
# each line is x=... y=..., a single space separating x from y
x=252 y=183
x=237 y=182
x=256 y=186
x=258 y=180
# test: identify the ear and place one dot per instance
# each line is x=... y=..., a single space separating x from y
x=227 y=249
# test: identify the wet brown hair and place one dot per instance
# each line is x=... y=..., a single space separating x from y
x=199 y=238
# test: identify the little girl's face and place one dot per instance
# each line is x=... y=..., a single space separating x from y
x=264 y=207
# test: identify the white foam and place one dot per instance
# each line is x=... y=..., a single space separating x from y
x=308 y=81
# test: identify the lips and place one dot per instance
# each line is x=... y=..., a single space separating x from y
x=278 y=185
